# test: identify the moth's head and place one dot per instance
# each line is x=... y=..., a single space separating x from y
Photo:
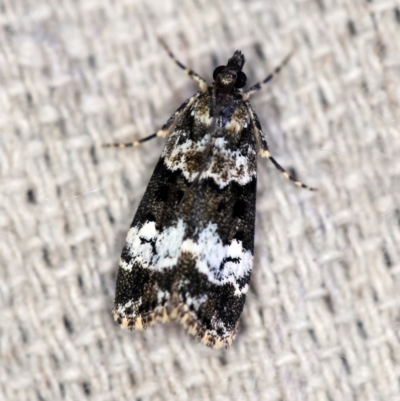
x=230 y=77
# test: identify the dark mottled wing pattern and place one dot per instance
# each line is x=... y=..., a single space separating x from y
x=188 y=254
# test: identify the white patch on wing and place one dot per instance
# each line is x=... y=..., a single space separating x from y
x=224 y=165
x=152 y=249
x=138 y=243
x=196 y=302
x=222 y=264
x=211 y=258
x=121 y=309
x=229 y=165
x=167 y=247
x=178 y=156
x=162 y=297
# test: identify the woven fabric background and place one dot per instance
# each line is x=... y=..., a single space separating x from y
x=321 y=320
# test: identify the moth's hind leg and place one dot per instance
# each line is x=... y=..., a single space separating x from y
x=265 y=152
x=164 y=131
x=197 y=78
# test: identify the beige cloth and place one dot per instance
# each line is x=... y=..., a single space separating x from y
x=321 y=321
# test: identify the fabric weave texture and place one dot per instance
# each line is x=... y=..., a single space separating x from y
x=321 y=320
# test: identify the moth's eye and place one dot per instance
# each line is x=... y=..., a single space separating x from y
x=217 y=71
x=241 y=80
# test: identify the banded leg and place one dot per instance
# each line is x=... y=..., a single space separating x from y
x=274 y=73
x=197 y=78
x=128 y=144
x=164 y=131
x=264 y=152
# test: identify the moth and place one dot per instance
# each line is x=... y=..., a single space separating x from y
x=188 y=253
